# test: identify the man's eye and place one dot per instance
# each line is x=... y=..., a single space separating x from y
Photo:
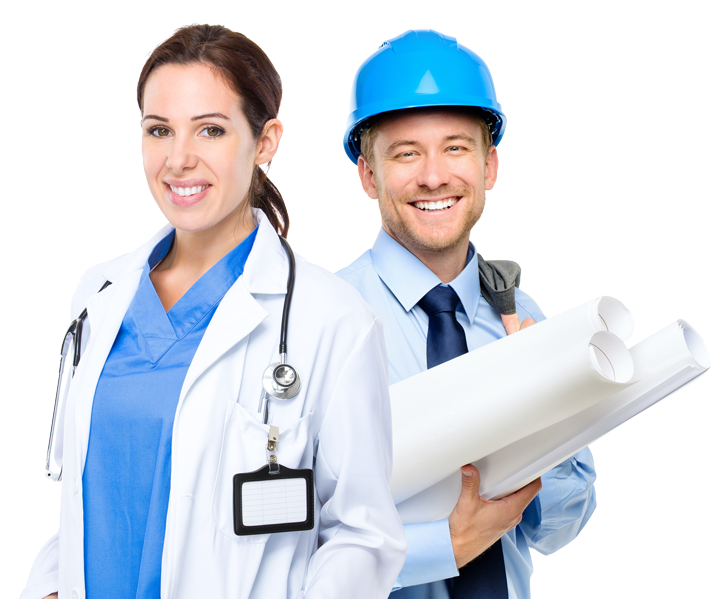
x=212 y=131
x=454 y=148
x=159 y=131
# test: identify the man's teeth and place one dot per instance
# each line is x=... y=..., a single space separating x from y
x=438 y=205
x=188 y=191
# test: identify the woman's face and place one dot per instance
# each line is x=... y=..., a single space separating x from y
x=198 y=149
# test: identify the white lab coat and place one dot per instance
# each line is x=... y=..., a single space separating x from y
x=339 y=424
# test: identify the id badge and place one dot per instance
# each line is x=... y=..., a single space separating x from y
x=272 y=500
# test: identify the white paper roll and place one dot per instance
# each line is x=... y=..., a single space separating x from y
x=663 y=362
x=482 y=401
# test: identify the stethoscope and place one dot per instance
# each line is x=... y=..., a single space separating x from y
x=280 y=380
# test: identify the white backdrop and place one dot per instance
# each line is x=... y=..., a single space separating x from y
x=603 y=189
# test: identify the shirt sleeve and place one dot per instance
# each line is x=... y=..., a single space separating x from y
x=430 y=555
x=567 y=498
x=563 y=506
x=44 y=576
x=527 y=308
x=361 y=539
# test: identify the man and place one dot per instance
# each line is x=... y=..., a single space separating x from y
x=424 y=129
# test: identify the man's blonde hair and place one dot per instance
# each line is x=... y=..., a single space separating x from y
x=367 y=137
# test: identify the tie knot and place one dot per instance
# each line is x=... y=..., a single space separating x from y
x=439 y=299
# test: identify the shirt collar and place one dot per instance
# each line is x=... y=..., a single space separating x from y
x=410 y=280
x=467 y=284
x=161 y=250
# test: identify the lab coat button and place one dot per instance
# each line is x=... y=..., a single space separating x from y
x=75 y=594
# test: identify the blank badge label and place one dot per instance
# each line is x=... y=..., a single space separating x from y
x=272 y=503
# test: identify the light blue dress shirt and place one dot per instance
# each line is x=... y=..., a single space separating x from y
x=126 y=479
x=392 y=280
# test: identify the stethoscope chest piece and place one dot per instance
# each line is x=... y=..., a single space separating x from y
x=281 y=381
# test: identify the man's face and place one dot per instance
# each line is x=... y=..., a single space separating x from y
x=429 y=175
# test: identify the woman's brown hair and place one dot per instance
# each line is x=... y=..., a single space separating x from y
x=251 y=75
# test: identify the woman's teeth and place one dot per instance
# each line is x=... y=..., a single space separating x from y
x=438 y=205
x=188 y=191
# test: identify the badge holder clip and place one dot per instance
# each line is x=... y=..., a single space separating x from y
x=274 y=498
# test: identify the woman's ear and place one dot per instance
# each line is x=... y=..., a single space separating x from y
x=269 y=141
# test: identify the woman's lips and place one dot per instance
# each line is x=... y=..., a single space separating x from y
x=189 y=198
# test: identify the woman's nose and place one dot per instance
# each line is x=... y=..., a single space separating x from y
x=181 y=156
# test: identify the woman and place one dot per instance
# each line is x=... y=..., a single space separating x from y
x=165 y=410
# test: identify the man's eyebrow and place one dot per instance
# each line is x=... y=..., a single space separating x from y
x=210 y=115
x=154 y=117
x=408 y=142
x=398 y=144
x=461 y=137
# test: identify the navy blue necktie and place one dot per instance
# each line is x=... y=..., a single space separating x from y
x=485 y=576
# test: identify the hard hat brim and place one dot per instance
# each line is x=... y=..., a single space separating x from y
x=360 y=116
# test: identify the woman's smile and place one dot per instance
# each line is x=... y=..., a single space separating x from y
x=187 y=192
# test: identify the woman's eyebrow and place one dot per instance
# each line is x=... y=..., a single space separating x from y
x=210 y=115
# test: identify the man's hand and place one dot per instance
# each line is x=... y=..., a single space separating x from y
x=475 y=523
x=512 y=323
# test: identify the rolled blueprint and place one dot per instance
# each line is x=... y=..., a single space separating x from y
x=473 y=405
x=663 y=363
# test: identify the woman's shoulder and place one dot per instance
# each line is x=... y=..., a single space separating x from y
x=91 y=282
x=111 y=270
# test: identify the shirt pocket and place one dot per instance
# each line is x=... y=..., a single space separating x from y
x=244 y=450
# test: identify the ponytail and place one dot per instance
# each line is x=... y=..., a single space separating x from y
x=264 y=195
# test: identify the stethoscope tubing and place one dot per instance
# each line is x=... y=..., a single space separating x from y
x=287 y=299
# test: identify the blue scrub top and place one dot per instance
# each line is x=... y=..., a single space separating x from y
x=126 y=480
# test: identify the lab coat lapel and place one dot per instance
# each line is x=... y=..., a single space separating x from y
x=239 y=313
x=105 y=311
x=236 y=317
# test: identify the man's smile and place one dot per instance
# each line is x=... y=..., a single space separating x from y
x=436 y=204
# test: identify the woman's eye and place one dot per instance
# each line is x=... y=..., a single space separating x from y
x=212 y=131
x=159 y=131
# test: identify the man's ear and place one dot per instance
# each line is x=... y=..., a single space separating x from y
x=367 y=178
x=492 y=168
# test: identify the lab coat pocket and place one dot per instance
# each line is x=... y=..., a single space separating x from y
x=244 y=450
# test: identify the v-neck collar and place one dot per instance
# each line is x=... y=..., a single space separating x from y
x=161 y=329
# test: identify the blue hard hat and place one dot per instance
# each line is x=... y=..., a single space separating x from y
x=416 y=69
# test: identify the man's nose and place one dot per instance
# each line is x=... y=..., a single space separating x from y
x=433 y=173
x=181 y=155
